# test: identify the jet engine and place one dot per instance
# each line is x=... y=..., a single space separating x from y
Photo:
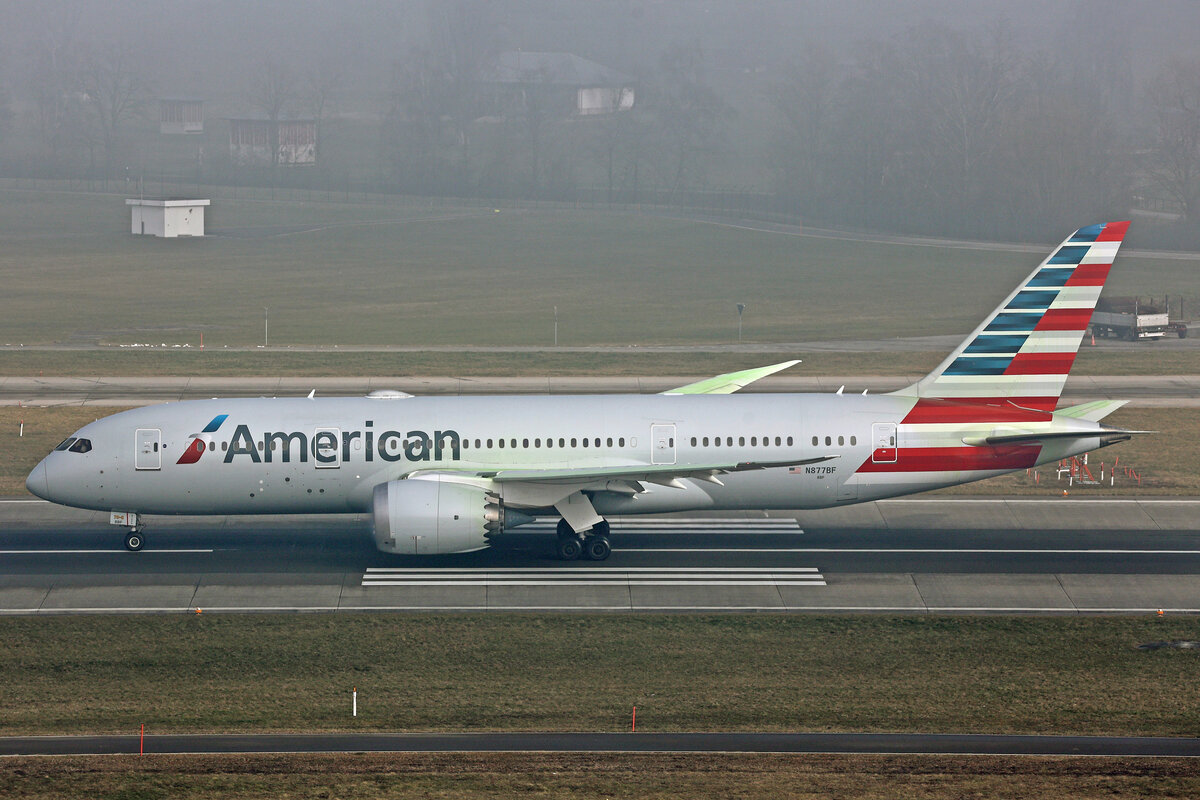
x=429 y=516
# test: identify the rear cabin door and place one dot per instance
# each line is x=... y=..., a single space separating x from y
x=147 y=452
x=885 y=449
x=662 y=444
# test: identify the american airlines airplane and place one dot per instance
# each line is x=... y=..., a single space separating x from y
x=451 y=474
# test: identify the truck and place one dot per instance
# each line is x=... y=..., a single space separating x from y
x=1134 y=319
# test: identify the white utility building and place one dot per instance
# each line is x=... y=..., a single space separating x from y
x=167 y=218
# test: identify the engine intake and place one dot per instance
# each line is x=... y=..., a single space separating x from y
x=430 y=516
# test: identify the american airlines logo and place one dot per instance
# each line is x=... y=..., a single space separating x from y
x=327 y=446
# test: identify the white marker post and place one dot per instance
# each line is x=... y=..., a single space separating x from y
x=354 y=706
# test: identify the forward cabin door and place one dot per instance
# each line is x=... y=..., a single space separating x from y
x=662 y=444
x=885 y=449
x=147 y=453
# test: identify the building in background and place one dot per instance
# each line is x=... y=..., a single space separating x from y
x=263 y=142
x=562 y=84
x=180 y=115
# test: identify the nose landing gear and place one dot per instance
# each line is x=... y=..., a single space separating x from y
x=134 y=540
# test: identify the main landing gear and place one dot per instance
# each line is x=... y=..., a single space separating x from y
x=592 y=545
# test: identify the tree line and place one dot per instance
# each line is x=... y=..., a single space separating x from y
x=937 y=130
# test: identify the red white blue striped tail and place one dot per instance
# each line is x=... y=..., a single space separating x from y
x=1021 y=354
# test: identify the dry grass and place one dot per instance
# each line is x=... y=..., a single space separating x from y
x=598 y=775
x=200 y=673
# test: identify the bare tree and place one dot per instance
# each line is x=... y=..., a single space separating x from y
x=274 y=93
x=114 y=91
x=689 y=111
x=1175 y=161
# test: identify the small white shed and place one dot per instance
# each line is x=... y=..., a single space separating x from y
x=167 y=218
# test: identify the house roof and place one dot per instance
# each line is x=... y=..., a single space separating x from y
x=564 y=69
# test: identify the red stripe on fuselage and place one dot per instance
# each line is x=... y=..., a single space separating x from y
x=958 y=459
x=193 y=452
x=930 y=410
x=1065 y=319
x=1040 y=364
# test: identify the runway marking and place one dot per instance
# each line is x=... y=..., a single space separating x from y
x=94 y=552
x=989 y=550
x=626 y=526
x=597 y=576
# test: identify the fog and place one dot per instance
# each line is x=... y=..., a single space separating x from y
x=982 y=119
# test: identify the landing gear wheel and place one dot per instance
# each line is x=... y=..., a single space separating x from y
x=570 y=547
x=134 y=541
x=597 y=548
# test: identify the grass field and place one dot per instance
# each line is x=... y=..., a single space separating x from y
x=1166 y=460
x=202 y=673
x=601 y=775
x=413 y=273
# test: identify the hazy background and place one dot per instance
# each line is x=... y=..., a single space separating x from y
x=976 y=119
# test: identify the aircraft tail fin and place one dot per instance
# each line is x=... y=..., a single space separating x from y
x=1021 y=354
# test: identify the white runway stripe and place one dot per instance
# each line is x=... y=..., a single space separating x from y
x=597 y=576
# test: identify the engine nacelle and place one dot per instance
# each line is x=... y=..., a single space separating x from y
x=422 y=516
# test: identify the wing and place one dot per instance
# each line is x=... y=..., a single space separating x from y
x=730 y=382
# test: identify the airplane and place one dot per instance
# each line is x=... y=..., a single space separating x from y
x=452 y=474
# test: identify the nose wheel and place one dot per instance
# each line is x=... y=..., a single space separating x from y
x=134 y=541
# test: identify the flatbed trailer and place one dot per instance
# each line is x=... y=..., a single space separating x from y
x=1127 y=318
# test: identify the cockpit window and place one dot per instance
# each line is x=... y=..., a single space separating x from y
x=65 y=444
x=81 y=446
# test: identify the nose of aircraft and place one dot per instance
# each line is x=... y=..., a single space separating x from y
x=37 y=482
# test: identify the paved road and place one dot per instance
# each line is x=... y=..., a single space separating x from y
x=912 y=556
x=1172 y=390
x=876 y=743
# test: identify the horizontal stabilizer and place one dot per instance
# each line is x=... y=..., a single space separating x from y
x=730 y=382
x=1106 y=435
x=1093 y=411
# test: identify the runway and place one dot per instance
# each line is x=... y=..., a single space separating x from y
x=839 y=743
x=921 y=556
x=1146 y=390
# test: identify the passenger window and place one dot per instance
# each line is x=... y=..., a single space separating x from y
x=525 y=443
x=853 y=440
x=477 y=443
x=828 y=441
x=693 y=441
x=729 y=441
x=573 y=442
x=789 y=441
x=501 y=443
x=563 y=442
x=65 y=444
x=513 y=442
x=549 y=443
x=608 y=442
x=754 y=441
x=585 y=442
x=741 y=441
x=212 y=446
x=815 y=442
x=779 y=442
x=705 y=440
x=224 y=446
x=621 y=442
x=841 y=441
x=85 y=446
x=537 y=443
x=489 y=443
